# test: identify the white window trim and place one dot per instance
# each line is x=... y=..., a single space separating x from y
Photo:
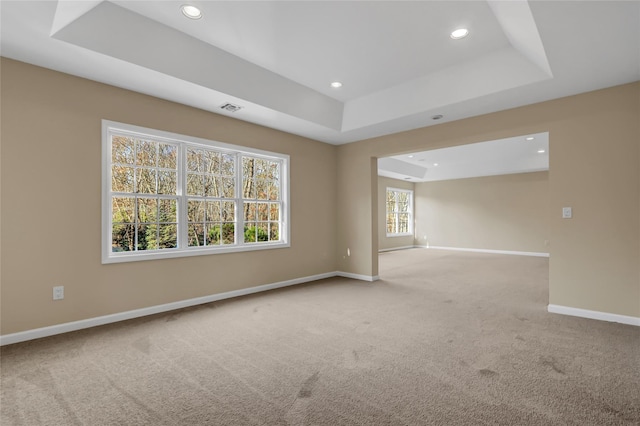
x=108 y=256
x=400 y=234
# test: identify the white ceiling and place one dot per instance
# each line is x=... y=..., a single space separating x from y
x=276 y=59
x=521 y=154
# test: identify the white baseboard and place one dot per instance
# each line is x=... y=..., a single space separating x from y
x=369 y=278
x=597 y=315
x=518 y=253
x=136 y=313
x=396 y=248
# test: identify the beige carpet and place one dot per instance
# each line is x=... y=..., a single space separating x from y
x=444 y=338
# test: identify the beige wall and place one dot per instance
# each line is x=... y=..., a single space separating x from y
x=594 y=168
x=50 y=177
x=51 y=218
x=384 y=242
x=508 y=212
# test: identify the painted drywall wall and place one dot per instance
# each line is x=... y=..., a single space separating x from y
x=384 y=242
x=51 y=217
x=507 y=212
x=594 y=168
x=358 y=215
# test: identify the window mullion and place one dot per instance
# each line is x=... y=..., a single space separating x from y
x=239 y=201
x=183 y=226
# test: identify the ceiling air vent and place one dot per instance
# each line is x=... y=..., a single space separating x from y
x=231 y=107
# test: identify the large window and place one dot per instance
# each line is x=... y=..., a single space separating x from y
x=399 y=212
x=168 y=195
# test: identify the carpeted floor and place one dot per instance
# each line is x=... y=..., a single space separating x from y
x=444 y=338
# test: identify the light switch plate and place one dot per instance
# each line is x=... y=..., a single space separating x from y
x=567 y=213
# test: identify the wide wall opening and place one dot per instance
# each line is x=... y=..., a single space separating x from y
x=465 y=203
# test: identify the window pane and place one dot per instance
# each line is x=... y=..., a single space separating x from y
x=166 y=182
x=195 y=211
x=247 y=167
x=146 y=153
x=195 y=184
x=194 y=160
x=211 y=162
x=212 y=213
x=168 y=236
x=263 y=232
x=403 y=206
x=250 y=211
x=146 y=181
x=167 y=156
x=248 y=188
x=228 y=165
x=122 y=210
x=274 y=212
x=263 y=211
x=260 y=171
x=391 y=197
x=261 y=189
x=123 y=237
x=212 y=186
x=274 y=171
x=391 y=207
x=122 y=150
x=228 y=211
x=167 y=211
x=273 y=190
x=151 y=237
x=250 y=232
x=147 y=210
x=403 y=222
x=122 y=179
x=228 y=233
x=228 y=187
x=196 y=234
x=391 y=224
x=214 y=231
x=274 y=232
x=141 y=230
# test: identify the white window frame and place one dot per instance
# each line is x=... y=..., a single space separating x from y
x=410 y=211
x=110 y=128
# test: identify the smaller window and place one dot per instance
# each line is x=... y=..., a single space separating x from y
x=399 y=212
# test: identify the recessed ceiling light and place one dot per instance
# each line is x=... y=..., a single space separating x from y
x=530 y=138
x=435 y=164
x=410 y=156
x=437 y=117
x=191 y=12
x=459 y=33
x=336 y=84
x=541 y=151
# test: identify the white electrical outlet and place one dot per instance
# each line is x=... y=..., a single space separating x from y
x=58 y=292
x=567 y=213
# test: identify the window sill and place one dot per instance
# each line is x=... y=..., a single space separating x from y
x=174 y=253
x=400 y=235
